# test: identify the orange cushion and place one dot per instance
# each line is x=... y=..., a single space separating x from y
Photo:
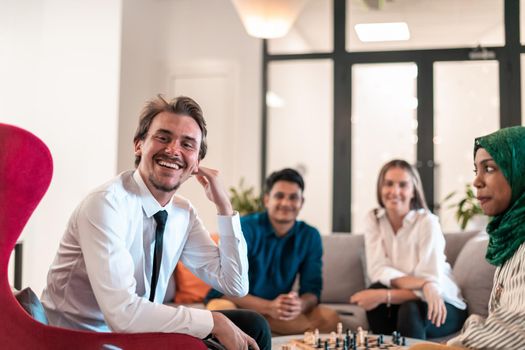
x=190 y=288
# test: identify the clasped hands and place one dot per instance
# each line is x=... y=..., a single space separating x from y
x=285 y=307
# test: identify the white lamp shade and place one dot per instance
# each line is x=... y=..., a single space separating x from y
x=268 y=18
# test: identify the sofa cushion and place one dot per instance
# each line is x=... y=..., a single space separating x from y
x=342 y=267
x=352 y=316
x=190 y=288
x=474 y=275
x=455 y=242
x=30 y=302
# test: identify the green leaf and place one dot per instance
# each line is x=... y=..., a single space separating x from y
x=243 y=199
x=466 y=208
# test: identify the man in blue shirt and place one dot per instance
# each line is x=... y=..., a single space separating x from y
x=279 y=248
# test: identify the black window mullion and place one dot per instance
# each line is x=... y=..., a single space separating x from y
x=425 y=131
x=342 y=153
x=509 y=68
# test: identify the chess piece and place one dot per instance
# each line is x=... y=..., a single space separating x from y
x=333 y=337
x=309 y=338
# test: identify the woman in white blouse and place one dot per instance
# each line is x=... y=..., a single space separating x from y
x=412 y=288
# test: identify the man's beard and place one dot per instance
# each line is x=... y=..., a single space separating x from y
x=162 y=187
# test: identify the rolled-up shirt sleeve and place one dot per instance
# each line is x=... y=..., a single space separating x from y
x=110 y=268
x=225 y=268
x=311 y=279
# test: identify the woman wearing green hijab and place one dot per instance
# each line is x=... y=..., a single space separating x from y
x=499 y=162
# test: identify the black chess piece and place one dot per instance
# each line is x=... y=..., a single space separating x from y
x=404 y=341
x=326 y=345
x=396 y=337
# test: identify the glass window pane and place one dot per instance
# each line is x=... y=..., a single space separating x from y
x=312 y=31
x=431 y=23
x=522 y=88
x=384 y=127
x=522 y=22
x=466 y=105
x=300 y=131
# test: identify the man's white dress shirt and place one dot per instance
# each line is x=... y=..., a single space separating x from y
x=101 y=276
x=417 y=249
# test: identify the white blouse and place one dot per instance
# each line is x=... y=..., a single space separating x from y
x=417 y=249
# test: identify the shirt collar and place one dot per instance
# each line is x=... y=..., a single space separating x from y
x=270 y=231
x=380 y=212
x=409 y=218
x=149 y=203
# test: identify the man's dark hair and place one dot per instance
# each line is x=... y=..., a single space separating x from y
x=181 y=105
x=286 y=174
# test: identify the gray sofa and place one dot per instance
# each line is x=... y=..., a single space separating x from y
x=344 y=273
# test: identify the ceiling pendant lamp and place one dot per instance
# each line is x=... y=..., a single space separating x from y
x=268 y=19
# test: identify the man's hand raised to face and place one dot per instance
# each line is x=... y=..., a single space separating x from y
x=215 y=191
x=229 y=335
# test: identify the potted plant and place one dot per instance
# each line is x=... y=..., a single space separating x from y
x=467 y=208
x=244 y=200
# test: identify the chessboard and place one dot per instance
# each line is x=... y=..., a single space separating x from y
x=348 y=340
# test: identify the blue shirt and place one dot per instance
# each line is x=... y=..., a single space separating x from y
x=274 y=261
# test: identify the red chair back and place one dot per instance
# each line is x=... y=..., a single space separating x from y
x=26 y=168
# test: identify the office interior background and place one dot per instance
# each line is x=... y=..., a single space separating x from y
x=320 y=99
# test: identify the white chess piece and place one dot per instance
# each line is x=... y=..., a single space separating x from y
x=309 y=338
x=340 y=331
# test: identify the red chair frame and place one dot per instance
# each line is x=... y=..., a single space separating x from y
x=26 y=168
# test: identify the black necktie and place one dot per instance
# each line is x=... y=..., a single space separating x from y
x=160 y=218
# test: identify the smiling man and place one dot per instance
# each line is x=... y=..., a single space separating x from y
x=123 y=241
x=280 y=248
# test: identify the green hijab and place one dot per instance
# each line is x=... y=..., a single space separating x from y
x=507 y=230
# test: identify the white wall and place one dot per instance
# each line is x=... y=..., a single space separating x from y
x=59 y=69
